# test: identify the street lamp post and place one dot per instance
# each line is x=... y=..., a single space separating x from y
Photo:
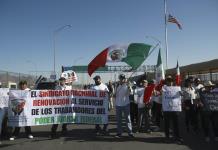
x=158 y=43
x=54 y=42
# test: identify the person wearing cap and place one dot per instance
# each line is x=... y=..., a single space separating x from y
x=207 y=115
x=100 y=86
x=198 y=86
x=133 y=104
x=3 y=119
x=144 y=108
x=111 y=95
x=215 y=89
x=174 y=109
x=189 y=96
x=22 y=86
x=62 y=86
x=122 y=106
x=157 y=104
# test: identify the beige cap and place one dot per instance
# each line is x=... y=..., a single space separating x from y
x=208 y=83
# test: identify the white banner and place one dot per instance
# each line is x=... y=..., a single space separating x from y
x=4 y=97
x=43 y=107
x=171 y=98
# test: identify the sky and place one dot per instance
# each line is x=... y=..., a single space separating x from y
x=28 y=26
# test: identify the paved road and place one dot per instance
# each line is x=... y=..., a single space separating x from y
x=82 y=137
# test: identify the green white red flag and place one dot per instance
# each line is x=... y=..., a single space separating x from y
x=133 y=54
x=178 y=77
x=160 y=75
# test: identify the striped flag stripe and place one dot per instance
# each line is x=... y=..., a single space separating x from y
x=174 y=20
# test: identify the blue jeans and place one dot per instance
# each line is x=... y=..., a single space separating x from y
x=143 y=117
x=126 y=111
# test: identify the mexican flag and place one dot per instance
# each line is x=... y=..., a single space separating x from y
x=160 y=76
x=133 y=54
x=178 y=78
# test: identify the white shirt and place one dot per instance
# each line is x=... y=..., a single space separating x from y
x=135 y=94
x=189 y=94
x=171 y=98
x=140 y=97
x=27 y=89
x=65 y=87
x=197 y=89
x=122 y=95
x=102 y=87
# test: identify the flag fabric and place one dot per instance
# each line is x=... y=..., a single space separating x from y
x=148 y=92
x=174 y=20
x=178 y=78
x=160 y=75
x=133 y=54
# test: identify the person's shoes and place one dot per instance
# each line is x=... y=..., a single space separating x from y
x=167 y=139
x=157 y=129
x=216 y=139
x=207 y=139
x=64 y=131
x=131 y=135
x=149 y=131
x=106 y=133
x=53 y=135
x=30 y=136
x=118 y=136
x=12 y=138
x=97 y=132
x=179 y=140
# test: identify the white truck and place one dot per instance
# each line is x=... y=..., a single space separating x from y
x=12 y=85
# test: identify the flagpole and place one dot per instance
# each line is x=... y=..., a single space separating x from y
x=166 y=42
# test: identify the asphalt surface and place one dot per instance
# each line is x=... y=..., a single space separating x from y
x=83 y=137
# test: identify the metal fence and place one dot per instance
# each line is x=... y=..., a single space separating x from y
x=6 y=78
x=207 y=76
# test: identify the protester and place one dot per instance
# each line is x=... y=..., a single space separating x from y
x=207 y=114
x=171 y=108
x=100 y=86
x=143 y=109
x=133 y=104
x=2 y=114
x=122 y=105
x=215 y=89
x=196 y=115
x=157 y=105
x=22 y=86
x=111 y=95
x=189 y=96
x=61 y=86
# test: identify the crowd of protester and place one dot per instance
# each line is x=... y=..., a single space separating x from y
x=146 y=114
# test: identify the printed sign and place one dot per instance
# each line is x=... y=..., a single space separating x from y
x=43 y=107
x=4 y=97
x=171 y=98
x=210 y=100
